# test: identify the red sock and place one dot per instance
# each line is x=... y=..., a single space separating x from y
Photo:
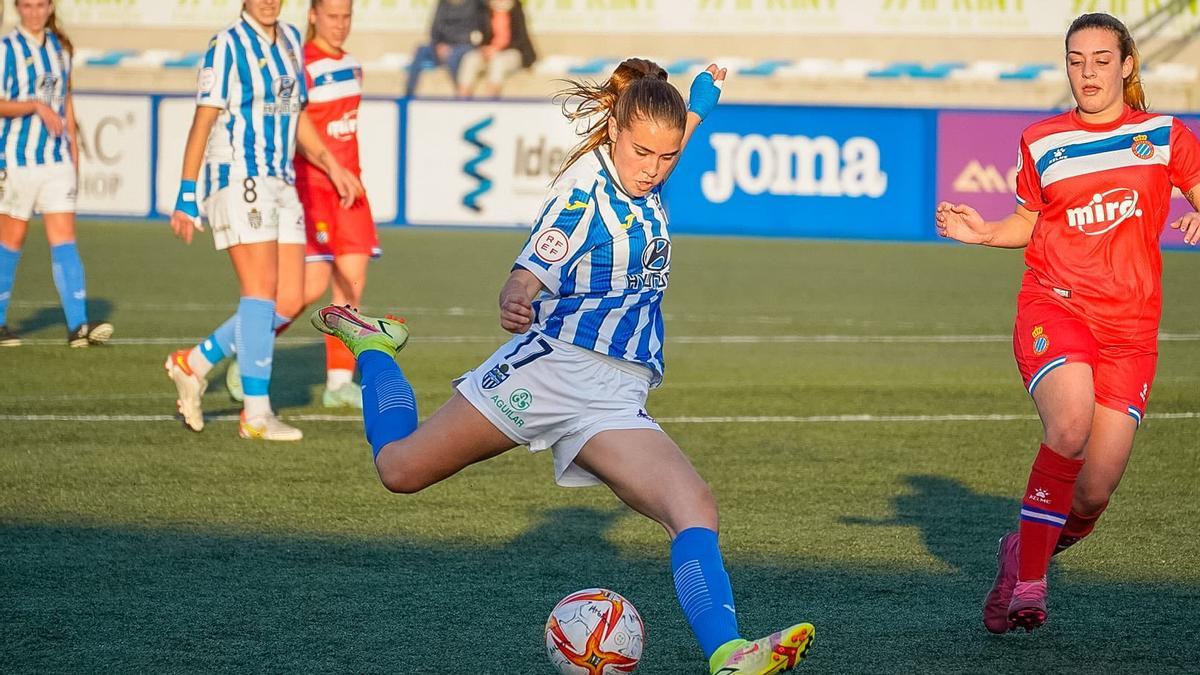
x=1078 y=526
x=1044 y=510
x=337 y=355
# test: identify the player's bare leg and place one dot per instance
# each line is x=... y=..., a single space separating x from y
x=1108 y=450
x=648 y=471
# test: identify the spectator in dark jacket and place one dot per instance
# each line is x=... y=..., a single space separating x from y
x=508 y=50
x=458 y=27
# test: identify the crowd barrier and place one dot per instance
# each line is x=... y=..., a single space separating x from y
x=760 y=170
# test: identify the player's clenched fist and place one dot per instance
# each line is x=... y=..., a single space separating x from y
x=516 y=314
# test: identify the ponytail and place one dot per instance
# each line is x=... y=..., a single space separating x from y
x=55 y=27
x=1133 y=94
x=637 y=89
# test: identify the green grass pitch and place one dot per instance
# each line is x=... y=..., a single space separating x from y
x=128 y=544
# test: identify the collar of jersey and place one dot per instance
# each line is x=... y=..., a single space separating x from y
x=611 y=172
x=258 y=28
x=31 y=37
x=1107 y=126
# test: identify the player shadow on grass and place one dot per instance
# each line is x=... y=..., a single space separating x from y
x=51 y=316
x=129 y=599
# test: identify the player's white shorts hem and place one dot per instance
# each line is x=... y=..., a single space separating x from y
x=255 y=210
x=546 y=393
x=48 y=188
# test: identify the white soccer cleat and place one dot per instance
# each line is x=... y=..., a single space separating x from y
x=190 y=388
x=268 y=428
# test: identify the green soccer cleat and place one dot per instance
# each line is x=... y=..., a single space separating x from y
x=348 y=395
x=774 y=653
x=360 y=332
x=233 y=382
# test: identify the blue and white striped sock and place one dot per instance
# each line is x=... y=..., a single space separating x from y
x=389 y=407
x=8 y=274
x=703 y=588
x=68 y=278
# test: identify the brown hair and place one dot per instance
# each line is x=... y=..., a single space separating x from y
x=1134 y=96
x=55 y=27
x=311 y=33
x=637 y=89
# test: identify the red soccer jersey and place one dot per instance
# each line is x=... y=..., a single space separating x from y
x=334 y=92
x=1102 y=193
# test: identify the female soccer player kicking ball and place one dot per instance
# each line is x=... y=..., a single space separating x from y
x=584 y=303
x=1093 y=191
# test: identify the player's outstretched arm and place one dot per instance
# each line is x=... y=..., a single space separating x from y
x=308 y=139
x=516 y=301
x=1189 y=223
x=186 y=218
x=962 y=223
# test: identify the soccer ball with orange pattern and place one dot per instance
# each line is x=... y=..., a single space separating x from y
x=594 y=632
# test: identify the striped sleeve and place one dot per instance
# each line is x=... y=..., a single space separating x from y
x=212 y=82
x=557 y=234
x=8 y=60
x=1184 y=166
x=1029 y=183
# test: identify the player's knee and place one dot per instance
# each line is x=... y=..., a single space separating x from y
x=1091 y=501
x=398 y=476
x=1068 y=438
x=699 y=509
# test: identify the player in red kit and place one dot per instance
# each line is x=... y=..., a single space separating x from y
x=340 y=240
x=1093 y=191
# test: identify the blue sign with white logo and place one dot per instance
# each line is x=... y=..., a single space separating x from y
x=807 y=172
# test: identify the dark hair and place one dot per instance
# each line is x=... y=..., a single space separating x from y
x=637 y=89
x=1134 y=96
x=55 y=27
x=311 y=33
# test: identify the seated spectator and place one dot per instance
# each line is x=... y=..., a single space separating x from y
x=458 y=27
x=509 y=50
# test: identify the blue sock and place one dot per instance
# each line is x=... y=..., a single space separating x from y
x=255 y=344
x=8 y=274
x=703 y=589
x=68 y=278
x=389 y=408
x=220 y=344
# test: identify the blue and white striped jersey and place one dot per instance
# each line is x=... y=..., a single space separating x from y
x=604 y=257
x=258 y=83
x=34 y=70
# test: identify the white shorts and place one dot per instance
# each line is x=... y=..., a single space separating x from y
x=254 y=210
x=49 y=188
x=546 y=393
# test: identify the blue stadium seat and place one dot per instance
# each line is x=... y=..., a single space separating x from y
x=684 y=66
x=765 y=68
x=187 y=61
x=938 y=71
x=110 y=59
x=1029 y=71
x=599 y=66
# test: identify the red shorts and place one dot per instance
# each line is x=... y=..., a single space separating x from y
x=1050 y=333
x=332 y=230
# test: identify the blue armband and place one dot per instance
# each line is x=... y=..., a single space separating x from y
x=704 y=94
x=186 y=201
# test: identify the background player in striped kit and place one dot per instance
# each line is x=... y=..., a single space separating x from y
x=38 y=172
x=249 y=113
x=1093 y=191
x=584 y=303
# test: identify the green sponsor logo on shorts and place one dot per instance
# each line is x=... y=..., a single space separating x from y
x=508 y=412
x=521 y=399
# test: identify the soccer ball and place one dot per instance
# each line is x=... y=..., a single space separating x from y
x=594 y=632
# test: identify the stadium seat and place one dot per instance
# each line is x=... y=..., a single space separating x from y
x=111 y=58
x=1030 y=71
x=600 y=66
x=764 y=68
x=188 y=61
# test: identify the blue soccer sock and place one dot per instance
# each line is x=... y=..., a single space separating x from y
x=703 y=589
x=220 y=344
x=389 y=407
x=68 y=278
x=255 y=340
x=8 y=274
